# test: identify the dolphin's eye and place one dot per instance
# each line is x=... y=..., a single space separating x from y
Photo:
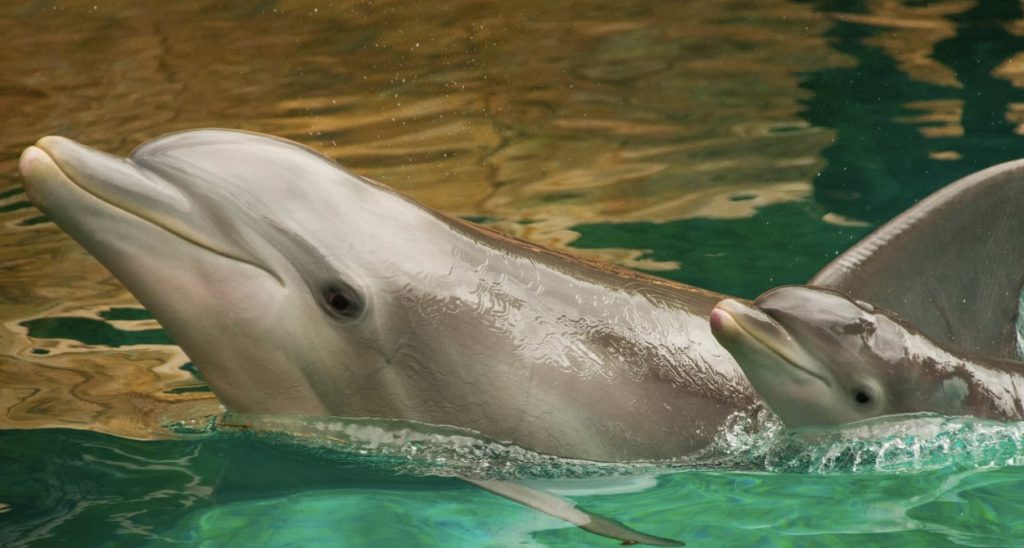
x=339 y=302
x=862 y=396
x=342 y=301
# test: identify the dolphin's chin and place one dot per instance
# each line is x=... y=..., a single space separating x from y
x=49 y=176
x=38 y=169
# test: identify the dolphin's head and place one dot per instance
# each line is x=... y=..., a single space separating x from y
x=819 y=358
x=261 y=258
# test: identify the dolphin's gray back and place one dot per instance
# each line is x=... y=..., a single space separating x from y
x=953 y=264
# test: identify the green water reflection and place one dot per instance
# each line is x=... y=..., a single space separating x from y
x=733 y=256
x=900 y=138
x=98 y=331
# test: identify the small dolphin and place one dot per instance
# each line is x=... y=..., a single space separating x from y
x=820 y=358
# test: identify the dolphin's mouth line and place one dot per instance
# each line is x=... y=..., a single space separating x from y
x=781 y=352
x=156 y=223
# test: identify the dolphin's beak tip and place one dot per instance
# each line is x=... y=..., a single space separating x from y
x=721 y=321
x=726 y=318
x=718 y=319
x=31 y=158
x=41 y=151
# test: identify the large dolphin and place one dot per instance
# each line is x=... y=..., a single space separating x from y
x=299 y=288
x=820 y=358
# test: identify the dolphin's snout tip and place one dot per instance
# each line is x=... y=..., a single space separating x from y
x=40 y=156
x=37 y=168
x=721 y=320
x=36 y=165
x=30 y=158
x=732 y=319
x=718 y=319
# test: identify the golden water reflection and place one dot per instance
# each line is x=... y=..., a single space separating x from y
x=912 y=30
x=535 y=117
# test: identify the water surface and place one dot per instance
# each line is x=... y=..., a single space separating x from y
x=732 y=145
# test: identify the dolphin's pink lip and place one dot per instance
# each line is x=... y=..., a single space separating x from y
x=718 y=319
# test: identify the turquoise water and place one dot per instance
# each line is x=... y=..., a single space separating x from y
x=228 y=488
x=734 y=146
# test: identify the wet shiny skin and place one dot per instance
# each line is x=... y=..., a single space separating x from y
x=231 y=238
x=820 y=358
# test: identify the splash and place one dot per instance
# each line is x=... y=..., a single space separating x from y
x=414 y=448
x=755 y=442
x=1019 y=325
x=906 y=443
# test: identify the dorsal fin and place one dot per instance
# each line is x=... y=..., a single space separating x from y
x=953 y=265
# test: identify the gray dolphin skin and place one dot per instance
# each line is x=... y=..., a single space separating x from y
x=953 y=264
x=298 y=288
x=820 y=358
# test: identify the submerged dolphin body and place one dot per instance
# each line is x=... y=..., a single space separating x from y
x=819 y=358
x=299 y=288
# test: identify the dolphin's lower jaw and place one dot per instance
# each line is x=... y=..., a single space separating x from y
x=38 y=169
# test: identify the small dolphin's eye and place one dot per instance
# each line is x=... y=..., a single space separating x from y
x=339 y=302
x=342 y=301
x=862 y=397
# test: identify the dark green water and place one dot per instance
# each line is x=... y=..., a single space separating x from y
x=735 y=146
